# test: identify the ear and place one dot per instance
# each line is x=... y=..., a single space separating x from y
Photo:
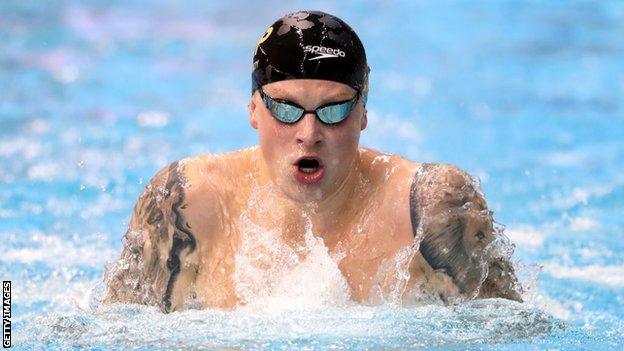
x=364 y=120
x=251 y=108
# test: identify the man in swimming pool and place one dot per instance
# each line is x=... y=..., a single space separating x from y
x=309 y=175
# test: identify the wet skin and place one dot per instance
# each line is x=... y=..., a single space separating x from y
x=366 y=206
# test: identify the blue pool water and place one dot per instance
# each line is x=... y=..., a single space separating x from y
x=95 y=96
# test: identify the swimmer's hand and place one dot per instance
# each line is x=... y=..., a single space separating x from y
x=458 y=240
x=160 y=257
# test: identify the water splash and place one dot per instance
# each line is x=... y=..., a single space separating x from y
x=272 y=274
x=131 y=326
x=390 y=282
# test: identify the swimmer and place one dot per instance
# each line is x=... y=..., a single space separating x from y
x=308 y=105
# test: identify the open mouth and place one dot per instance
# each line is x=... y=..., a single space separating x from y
x=309 y=170
x=308 y=165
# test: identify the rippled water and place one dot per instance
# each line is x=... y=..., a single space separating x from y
x=461 y=326
x=95 y=96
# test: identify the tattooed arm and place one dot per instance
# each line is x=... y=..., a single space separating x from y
x=160 y=254
x=459 y=242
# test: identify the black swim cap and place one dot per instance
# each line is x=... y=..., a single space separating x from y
x=314 y=45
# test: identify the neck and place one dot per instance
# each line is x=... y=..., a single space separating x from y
x=331 y=208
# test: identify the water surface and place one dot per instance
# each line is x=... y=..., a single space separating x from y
x=98 y=95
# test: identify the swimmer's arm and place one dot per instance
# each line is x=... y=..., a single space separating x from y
x=450 y=214
x=160 y=255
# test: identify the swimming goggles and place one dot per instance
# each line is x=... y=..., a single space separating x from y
x=289 y=112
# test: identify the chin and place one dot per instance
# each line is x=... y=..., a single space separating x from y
x=302 y=193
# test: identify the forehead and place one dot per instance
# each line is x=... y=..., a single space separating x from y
x=300 y=88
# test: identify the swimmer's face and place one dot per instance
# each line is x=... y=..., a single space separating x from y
x=308 y=160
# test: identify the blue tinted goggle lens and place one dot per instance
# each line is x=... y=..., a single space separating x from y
x=288 y=112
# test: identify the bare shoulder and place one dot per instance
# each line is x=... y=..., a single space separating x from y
x=438 y=186
x=177 y=213
x=429 y=187
x=212 y=180
x=393 y=171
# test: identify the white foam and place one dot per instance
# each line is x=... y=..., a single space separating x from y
x=115 y=24
x=528 y=276
x=419 y=86
x=612 y=276
x=551 y=306
x=44 y=171
x=38 y=126
x=595 y=252
x=58 y=252
x=583 y=224
x=389 y=124
x=153 y=119
x=20 y=148
x=6 y=213
x=60 y=292
x=566 y=158
x=432 y=326
x=271 y=276
x=581 y=196
x=525 y=235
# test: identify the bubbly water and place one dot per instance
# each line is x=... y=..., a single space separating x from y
x=272 y=275
x=95 y=96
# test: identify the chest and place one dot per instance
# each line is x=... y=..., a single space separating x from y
x=375 y=255
x=261 y=256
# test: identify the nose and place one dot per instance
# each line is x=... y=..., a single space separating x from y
x=309 y=131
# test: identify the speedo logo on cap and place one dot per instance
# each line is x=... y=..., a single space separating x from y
x=323 y=52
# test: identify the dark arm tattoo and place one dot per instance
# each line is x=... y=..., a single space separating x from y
x=455 y=228
x=158 y=245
